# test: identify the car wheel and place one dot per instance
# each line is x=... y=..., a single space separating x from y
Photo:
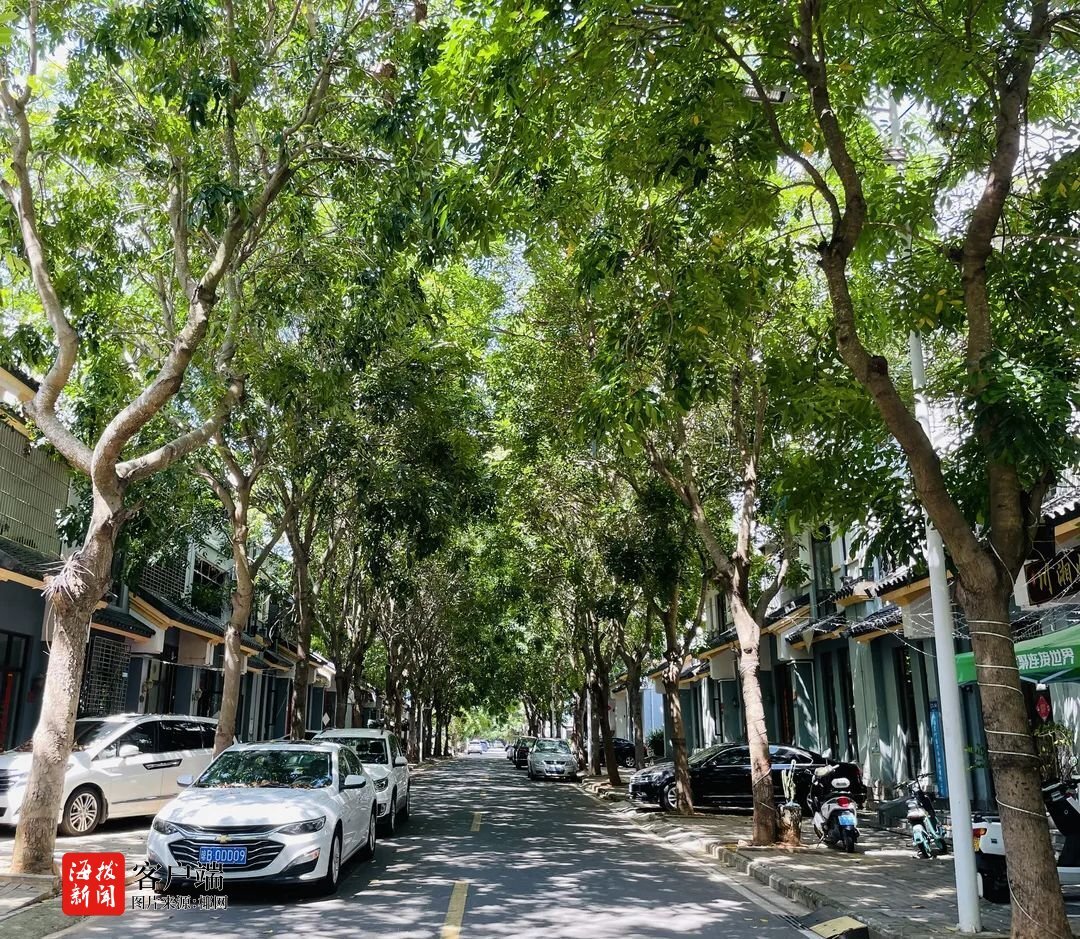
x=367 y=852
x=406 y=813
x=329 y=884
x=82 y=812
x=628 y=761
x=390 y=822
x=667 y=797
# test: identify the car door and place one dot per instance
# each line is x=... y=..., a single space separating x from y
x=183 y=752
x=131 y=784
x=725 y=778
x=353 y=820
x=399 y=774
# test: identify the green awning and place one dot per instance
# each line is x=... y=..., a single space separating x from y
x=1053 y=657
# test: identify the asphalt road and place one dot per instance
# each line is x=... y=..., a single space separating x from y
x=486 y=854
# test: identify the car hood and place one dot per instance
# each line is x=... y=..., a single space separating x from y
x=657 y=769
x=211 y=807
x=18 y=762
x=376 y=770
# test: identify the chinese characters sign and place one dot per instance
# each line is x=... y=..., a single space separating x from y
x=93 y=883
x=1046 y=658
x=1053 y=579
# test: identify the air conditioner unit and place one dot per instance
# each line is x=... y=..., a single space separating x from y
x=194 y=651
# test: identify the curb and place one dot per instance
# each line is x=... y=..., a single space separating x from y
x=742 y=860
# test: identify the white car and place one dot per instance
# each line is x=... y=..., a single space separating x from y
x=383 y=759
x=120 y=766
x=269 y=812
x=475 y=746
x=551 y=757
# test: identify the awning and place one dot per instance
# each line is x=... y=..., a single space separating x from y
x=1053 y=657
x=116 y=620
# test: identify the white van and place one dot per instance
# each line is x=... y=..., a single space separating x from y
x=120 y=766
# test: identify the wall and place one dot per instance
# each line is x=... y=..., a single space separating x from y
x=22 y=610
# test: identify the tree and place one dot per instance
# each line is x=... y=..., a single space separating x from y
x=170 y=165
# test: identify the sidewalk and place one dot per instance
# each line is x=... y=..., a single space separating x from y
x=896 y=895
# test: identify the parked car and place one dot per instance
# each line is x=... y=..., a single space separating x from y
x=385 y=762
x=121 y=766
x=551 y=758
x=521 y=751
x=511 y=749
x=283 y=812
x=720 y=775
x=475 y=746
x=624 y=752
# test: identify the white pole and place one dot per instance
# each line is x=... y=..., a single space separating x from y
x=967 y=891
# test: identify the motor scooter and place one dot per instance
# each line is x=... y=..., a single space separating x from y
x=1063 y=806
x=835 y=821
x=927 y=835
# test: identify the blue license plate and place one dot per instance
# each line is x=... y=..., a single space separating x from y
x=215 y=854
x=847 y=819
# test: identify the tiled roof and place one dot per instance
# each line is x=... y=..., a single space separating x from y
x=15 y=556
x=119 y=619
x=257 y=663
x=898 y=578
x=885 y=618
x=1063 y=506
x=797 y=603
x=183 y=614
x=13 y=369
x=274 y=659
x=820 y=627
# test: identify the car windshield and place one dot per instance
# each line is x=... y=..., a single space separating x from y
x=552 y=746
x=87 y=732
x=369 y=749
x=700 y=756
x=270 y=769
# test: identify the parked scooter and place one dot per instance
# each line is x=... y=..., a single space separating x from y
x=835 y=821
x=926 y=832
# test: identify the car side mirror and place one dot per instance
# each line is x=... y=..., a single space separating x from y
x=127 y=749
x=184 y=781
x=354 y=781
x=401 y=761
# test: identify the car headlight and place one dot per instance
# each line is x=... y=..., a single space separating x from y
x=164 y=827
x=381 y=784
x=304 y=828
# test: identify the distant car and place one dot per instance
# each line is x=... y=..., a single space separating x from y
x=381 y=754
x=511 y=748
x=551 y=758
x=521 y=751
x=720 y=775
x=475 y=746
x=624 y=752
x=120 y=766
x=498 y=744
x=269 y=812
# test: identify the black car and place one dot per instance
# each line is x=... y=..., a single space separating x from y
x=521 y=751
x=624 y=752
x=720 y=775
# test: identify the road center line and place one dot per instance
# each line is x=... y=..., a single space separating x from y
x=476 y=821
x=456 y=913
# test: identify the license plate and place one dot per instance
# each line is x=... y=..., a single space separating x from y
x=847 y=820
x=215 y=854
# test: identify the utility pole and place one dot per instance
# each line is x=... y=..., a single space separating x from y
x=952 y=718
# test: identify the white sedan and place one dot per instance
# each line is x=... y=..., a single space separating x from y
x=281 y=812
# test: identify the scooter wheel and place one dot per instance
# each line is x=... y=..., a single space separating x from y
x=849 y=841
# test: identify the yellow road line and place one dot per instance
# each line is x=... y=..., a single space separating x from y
x=456 y=913
x=476 y=821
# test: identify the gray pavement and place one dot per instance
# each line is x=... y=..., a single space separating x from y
x=528 y=859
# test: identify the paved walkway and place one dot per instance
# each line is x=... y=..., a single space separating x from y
x=882 y=884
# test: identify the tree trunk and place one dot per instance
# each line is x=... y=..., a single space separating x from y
x=306 y=602
x=241 y=610
x=603 y=695
x=74 y=594
x=1033 y=877
x=577 y=734
x=637 y=717
x=595 y=767
x=429 y=717
x=684 y=801
x=343 y=682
